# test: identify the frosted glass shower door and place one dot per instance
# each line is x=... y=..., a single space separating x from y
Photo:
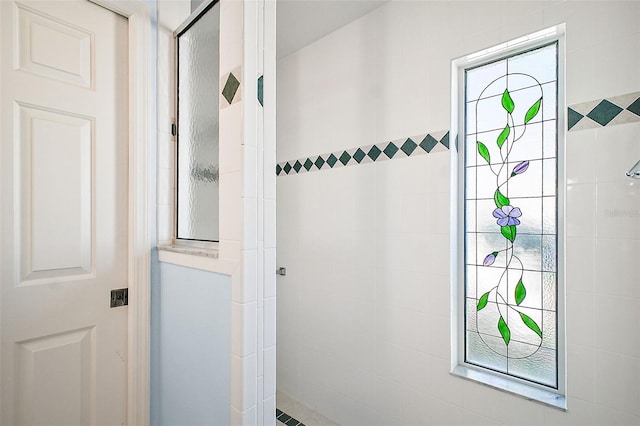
x=197 y=139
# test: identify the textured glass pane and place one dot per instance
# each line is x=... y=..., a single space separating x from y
x=471 y=281
x=531 y=219
x=549 y=285
x=480 y=352
x=536 y=63
x=480 y=78
x=549 y=253
x=549 y=215
x=488 y=243
x=550 y=148
x=528 y=184
x=470 y=214
x=511 y=181
x=198 y=147
x=532 y=283
x=528 y=146
x=550 y=177
x=529 y=251
x=539 y=367
x=549 y=329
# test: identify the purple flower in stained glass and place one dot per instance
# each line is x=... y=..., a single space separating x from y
x=491 y=257
x=520 y=168
x=507 y=215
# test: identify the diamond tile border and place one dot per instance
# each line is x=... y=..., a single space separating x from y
x=588 y=115
x=604 y=112
x=400 y=148
x=283 y=417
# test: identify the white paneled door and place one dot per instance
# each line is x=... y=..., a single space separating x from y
x=63 y=214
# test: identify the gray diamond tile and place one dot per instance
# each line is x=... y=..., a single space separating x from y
x=307 y=164
x=573 y=118
x=604 y=112
x=345 y=157
x=635 y=107
x=390 y=150
x=408 y=147
x=359 y=155
x=230 y=88
x=428 y=143
x=374 y=153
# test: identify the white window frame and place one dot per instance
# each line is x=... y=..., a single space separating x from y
x=529 y=390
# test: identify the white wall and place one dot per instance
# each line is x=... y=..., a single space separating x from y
x=363 y=313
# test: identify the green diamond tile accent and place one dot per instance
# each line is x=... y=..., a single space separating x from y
x=297 y=166
x=390 y=150
x=408 y=146
x=331 y=161
x=230 y=88
x=359 y=155
x=374 y=153
x=445 y=140
x=260 y=90
x=635 y=107
x=345 y=157
x=319 y=162
x=573 y=118
x=308 y=164
x=287 y=168
x=604 y=112
x=428 y=143
x=278 y=169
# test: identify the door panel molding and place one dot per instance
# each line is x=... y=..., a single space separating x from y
x=56 y=150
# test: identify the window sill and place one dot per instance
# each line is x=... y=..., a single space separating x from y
x=529 y=392
x=195 y=251
x=206 y=259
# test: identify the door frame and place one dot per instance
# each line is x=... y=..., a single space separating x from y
x=141 y=110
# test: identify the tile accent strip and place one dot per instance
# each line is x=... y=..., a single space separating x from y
x=400 y=148
x=588 y=115
x=604 y=112
x=287 y=419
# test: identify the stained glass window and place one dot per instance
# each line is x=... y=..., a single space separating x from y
x=510 y=216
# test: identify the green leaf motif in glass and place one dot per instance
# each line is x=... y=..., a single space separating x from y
x=509 y=232
x=521 y=292
x=483 y=301
x=504 y=330
x=533 y=111
x=500 y=199
x=507 y=102
x=502 y=137
x=484 y=152
x=531 y=324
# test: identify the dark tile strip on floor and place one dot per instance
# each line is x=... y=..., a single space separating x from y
x=287 y=419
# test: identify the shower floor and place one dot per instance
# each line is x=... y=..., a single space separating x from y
x=293 y=413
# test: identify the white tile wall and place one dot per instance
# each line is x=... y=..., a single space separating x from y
x=363 y=313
